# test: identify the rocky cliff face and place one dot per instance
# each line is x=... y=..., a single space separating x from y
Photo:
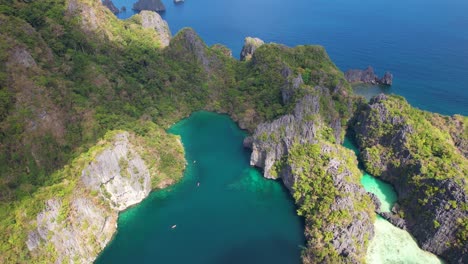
x=74 y=228
x=153 y=20
x=151 y=5
x=282 y=149
x=119 y=174
x=271 y=141
x=250 y=45
x=400 y=145
x=368 y=76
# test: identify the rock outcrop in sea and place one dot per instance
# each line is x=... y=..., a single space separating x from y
x=250 y=45
x=150 y=19
x=151 y=5
x=109 y=4
x=402 y=146
x=368 y=76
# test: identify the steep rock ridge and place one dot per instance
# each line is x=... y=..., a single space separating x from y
x=338 y=212
x=153 y=20
x=77 y=239
x=368 y=76
x=250 y=45
x=400 y=145
x=271 y=141
x=119 y=174
x=79 y=227
x=192 y=44
x=98 y=21
x=299 y=148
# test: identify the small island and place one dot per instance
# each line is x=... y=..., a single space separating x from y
x=368 y=76
x=151 y=5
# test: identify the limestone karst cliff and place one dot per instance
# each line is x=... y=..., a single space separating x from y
x=416 y=152
x=301 y=150
x=76 y=217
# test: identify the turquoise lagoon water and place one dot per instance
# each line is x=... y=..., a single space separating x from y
x=233 y=216
x=423 y=42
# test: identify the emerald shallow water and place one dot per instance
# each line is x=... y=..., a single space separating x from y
x=390 y=244
x=233 y=216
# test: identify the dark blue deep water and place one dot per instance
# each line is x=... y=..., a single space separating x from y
x=423 y=42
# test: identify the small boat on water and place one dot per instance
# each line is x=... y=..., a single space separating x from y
x=198 y=184
x=174 y=226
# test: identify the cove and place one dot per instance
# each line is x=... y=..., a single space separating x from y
x=233 y=216
x=390 y=244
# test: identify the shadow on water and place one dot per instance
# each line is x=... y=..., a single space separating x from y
x=252 y=252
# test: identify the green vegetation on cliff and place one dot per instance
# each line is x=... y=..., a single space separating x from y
x=71 y=72
x=163 y=156
x=322 y=170
x=423 y=155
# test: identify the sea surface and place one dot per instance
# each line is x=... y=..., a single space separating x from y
x=424 y=43
x=233 y=216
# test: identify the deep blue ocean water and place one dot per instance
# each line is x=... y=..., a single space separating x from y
x=423 y=42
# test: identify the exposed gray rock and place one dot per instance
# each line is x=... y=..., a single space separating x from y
x=119 y=174
x=150 y=19
x=20 y=56
x=250 y=45
x=273 y=141
x=387 y=79
x=376 y=201
x=368 y=76
x=109 y=4
x=70 y=238
x=80 y=227
x=291 y=86
x=151 y=5
x=435 y=222
x=394 y=219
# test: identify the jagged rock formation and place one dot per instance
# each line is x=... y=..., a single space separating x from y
x=151 y=5
x=368 y=76
x=250 y=45
x=80 y=224
x=271 y=141
x=291 y=85
x=400 y=145
x=109 y=4
x=275 y=148
x=119 y=174
x=150 y=19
